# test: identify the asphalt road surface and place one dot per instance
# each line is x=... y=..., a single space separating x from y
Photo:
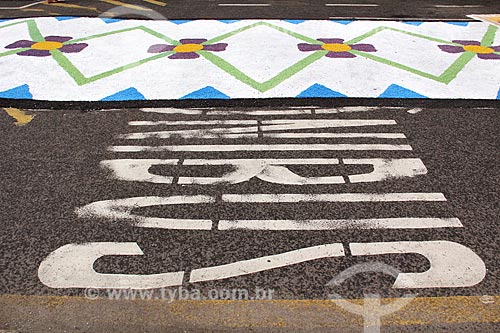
x=298 y=204
x=261 y=9
x=54 y=165
x=304 y=203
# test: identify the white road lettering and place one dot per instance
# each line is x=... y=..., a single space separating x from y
x=191 y=122
x=452 y=265
x=333 y=197
x=122 y=209
x=334 y=135
x=172 y=111
x=138 y=169
x=384 y=168
x=270 y=170
x=72 y=266
x=266 y=263
x=244 y=4
x=278 y=147
x=381 y=223
x=351 y=5
x=249 y=132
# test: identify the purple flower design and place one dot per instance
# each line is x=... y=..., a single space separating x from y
x=336 y=47
x=483 y=52
x=42 y=49
x=187 y=49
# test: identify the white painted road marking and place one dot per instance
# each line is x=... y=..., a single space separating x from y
x=278 y=147
x=244 y=4
x=333 y=197
x=138 y=169
x=292 y=110
x=191 y=122
x=334 y=135
x=452 y=265
x=245 y=267
x=269 y=170
x=250 y=132
x=458 y=6
x=23 y=7
x=351 y=5
x=172 y=111
x=387 y=168
x=122 y=208
x=72 y=266
x=383 y=223
x=264 y=127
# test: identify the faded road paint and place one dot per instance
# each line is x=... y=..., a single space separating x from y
x=19 y=115
x=295 y=315
x=444 y=272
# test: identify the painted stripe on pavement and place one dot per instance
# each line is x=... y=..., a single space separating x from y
x=386 y=223
x=278 y=147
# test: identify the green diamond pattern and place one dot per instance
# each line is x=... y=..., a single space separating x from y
x=445 y=77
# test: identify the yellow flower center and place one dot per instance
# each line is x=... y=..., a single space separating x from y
x=184 y=48
x=478 y=49
x=336 y=47
x=47 y=46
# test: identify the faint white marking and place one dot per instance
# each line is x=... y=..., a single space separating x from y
x=452 y=265
x=245 y=267
x=372 y=310
x=171 y=110
x=351 y=5
x=383 y=223
x=266 y=126
x=122 y=209
x=207 y=133
x=333 y=197
x=458 y=6
x=192 y=122
x=415 y=110
x=335 y=135
x=244 y=4
x=269 y=170
x=260 y=112
x=25 y=6
x=295 y=124
x=349 y=109
x=243 y=132
x=138 y=169
x=72 y=266
x=282 y=147
x=388 y=168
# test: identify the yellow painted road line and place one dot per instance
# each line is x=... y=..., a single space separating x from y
x=68 y=5
x=156 y=2
x=123 y=4
x=488 y=18
x=265 y=314
x=19 y=115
